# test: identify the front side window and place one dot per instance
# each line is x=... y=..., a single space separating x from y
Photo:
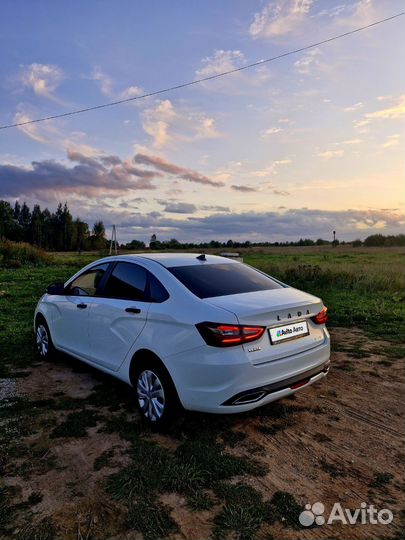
x=87 y=283
x=127 y=281
x=207 y=281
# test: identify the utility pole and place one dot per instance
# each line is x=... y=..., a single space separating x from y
x=114 y=241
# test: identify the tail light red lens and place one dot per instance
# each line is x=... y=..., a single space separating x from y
x=321 y=317
x=228 y=335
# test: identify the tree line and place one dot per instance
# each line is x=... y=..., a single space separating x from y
x=55 y=231
x=59 y=231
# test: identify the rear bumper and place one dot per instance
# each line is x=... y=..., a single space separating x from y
x=211 y=380
x=292 y=383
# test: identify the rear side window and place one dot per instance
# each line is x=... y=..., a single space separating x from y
x=156 y=290
x=127 y=281
x=87 y=283
x=207 y=281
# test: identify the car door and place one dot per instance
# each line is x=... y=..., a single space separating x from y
x=70 y=321
x=118 y=315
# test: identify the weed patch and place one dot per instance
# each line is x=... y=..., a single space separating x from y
x=76 y=424
x=151 y=518
x=381 y=480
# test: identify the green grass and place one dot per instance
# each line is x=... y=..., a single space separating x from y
x=151 y=518
x=362 y=288
x=76 y=424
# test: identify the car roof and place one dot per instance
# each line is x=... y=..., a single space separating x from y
x=179 y=259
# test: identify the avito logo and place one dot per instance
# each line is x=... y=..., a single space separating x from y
x=314 y=514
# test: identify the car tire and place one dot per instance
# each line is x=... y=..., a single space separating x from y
x=44 y=343
x=156 y=394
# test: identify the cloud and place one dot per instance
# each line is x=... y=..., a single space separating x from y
x=180 y=208
x=361 y=125
x=271 y=169
x=271 y=131
x=393 y=140
x=279 y=18
x=244 y=189
x=351 y=141
x=107 y=86
x=132 y=91
x=157 y=121
x=329 y=154
x=266 y=226
x=182 y=173
x=219 y=62
x=308 y=61
x=48 y=133
x=43 y=79
x=166 y=124
x=105 y=82
x=332 y=12
x=396 y=112
x=89 y=176
x=354 y=107
x=361 y=13
x=235 y=84
x=206 y=207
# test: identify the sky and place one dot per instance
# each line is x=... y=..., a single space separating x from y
x=298 y=147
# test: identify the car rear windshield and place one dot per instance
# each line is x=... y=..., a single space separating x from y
x=209 y=280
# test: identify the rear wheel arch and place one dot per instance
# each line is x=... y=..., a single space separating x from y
x=145 y=358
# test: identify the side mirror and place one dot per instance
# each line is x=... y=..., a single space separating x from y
x=56 y=288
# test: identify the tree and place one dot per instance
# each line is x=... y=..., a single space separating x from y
x=97 y=239
x=153 y=241
x=80 y=234
x=7 y=223
x=17 y=210
x=135 y=244
x=67 y=227
x=36 y=226
x=374 y=240
x=99 y=229
x=24 y=220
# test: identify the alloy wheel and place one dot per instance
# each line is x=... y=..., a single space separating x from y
x=42 y=340
x=151 y=395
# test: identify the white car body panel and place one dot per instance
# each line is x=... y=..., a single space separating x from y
x=112 y=331
x=107 y=337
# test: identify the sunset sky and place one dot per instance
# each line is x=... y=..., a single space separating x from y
x=295 y=148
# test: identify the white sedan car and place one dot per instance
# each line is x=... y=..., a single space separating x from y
x=204 y=332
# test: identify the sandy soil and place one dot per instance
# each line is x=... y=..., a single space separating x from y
x=339 y=434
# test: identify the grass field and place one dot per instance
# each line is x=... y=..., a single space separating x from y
x=70 y=434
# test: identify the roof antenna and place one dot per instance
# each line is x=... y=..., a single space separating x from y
x=201 y=257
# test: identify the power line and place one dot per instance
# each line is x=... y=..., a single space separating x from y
x=203 y=79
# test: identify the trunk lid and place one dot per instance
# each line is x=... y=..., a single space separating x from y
x=271 y=309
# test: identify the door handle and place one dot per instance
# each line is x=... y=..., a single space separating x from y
x=81 y=306
x=132 y=310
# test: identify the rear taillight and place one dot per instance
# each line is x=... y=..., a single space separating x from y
x=228 y=335
x=321 y=317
